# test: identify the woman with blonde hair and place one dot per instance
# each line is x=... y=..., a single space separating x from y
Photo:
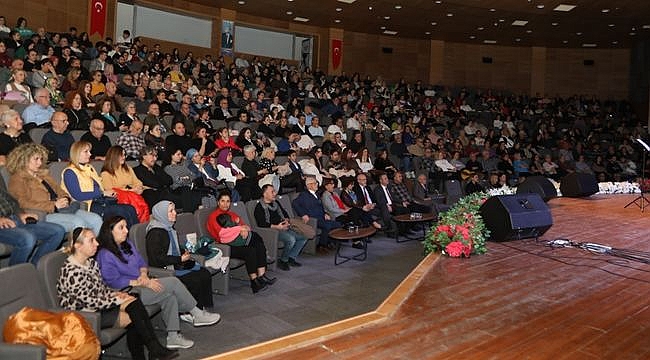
x=81 y=181
x=71 y=81
x=34 y=188
x=80 y=287
x=119 y=176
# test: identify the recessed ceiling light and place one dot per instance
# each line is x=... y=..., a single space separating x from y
x=386 y=17
x=493 y=10
x=347 y=1
x=290 y=0
x=540 y=6
x=450 y=14
x=382 y=27
x=578 y=33
x=472 y=37
x=565 y=41
x=397 y=7
x=611 y=25
x=519 y=23
x=517 y=39
x=604 y=11
x=480 y=28
x=614 y=42
x=390 y=32
x=489 y=41
x=502 y=20
x=338 y=9
x=289 y=12
x=427 y=32
x=632 y=33
x=438 y=2
x=646 y=27
x=370 y=8
x=589 y=45
x=337 y=20
x=300 y=19
x=241 y=2
x=434 y=23
x=555 y=24
x=562 y=7
x=529 y=31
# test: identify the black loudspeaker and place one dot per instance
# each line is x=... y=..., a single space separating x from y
x=538 y=185
x=487 y=60
x=514 y=217
x=579 y=185
x=387 y=50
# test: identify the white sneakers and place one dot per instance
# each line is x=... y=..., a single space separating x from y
x=205 y=319
x=178 y=341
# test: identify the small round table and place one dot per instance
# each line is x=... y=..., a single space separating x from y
x=344 y=235
x=406 y=218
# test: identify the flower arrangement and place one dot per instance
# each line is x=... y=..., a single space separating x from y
x=461 y=230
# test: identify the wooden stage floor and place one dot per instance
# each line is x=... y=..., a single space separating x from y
x=522 y=300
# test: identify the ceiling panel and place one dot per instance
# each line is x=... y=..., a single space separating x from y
x=605 y=23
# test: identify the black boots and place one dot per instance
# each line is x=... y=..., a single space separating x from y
x=258 y=285
x=268 y=280
x=141 y=333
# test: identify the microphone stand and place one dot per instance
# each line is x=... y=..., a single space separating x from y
x=641 y=200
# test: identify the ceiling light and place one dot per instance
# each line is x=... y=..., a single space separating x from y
x=338 y=9
x=565 y=41
x=589 y=45
x=540 y=6
x=386 y=17
x=347 y=1
x=427 y=32
x=370 y=8
x=493 y=10
x=517 y=39
x=555 y=24
x=562 y=7
x=604 y=11
x=289 y=12
x=300 y=19
x=614 y=42
x=450 y=14
x=390 y=32
x=382 y=27
x=489 y=41
x=290 y=0
x=519 y=23
x=611 y=25
x=438 y=2
x=337 y=20
x=646 y=27
x=241 y=2
x=397 y=7
x=480 y=28
x=472 y=37
x=434 y=23
x=502 y=20
x=578 y=33
x=529 y=31
x=633 y=33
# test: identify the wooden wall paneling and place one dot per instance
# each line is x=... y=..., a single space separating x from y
x=437 y=62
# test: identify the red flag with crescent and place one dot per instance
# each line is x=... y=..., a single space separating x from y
x=337 y=52
x=98 y=17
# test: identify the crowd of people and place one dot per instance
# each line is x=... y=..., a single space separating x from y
x=208 y=132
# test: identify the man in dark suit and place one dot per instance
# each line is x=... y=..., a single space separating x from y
x=384 y=200
x=308 y=205
x=366 y=199
x=222 y=112
x=296 y=177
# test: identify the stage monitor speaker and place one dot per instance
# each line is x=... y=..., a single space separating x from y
x=579 y=185
x=538 y=185
x=515 y=217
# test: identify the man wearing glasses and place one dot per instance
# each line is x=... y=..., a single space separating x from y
x=308 y=205
x=39 y=112
x=58 y=139
x=99 y=142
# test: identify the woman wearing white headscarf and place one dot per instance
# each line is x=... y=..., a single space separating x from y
x=165 y=251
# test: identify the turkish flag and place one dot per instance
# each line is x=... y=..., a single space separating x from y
x=98 y=17
x=337 y=52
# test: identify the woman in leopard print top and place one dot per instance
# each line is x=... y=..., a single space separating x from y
x=81 y=287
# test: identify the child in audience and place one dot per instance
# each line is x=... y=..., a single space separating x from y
x=230 y=232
